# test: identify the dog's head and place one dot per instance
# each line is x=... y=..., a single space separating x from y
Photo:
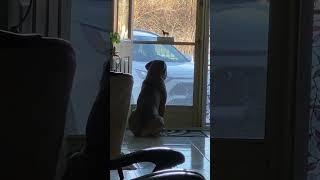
x=157 y=68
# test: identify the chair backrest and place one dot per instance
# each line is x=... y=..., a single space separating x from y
x=36 y=75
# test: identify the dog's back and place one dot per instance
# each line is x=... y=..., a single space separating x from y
x=147 y=119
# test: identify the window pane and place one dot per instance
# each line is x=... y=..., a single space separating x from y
x=239 y=45
x=177 y=17
x=187 y=51
x=180 y=69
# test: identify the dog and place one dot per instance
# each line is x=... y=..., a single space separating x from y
x=165 y=33
x=147 y=119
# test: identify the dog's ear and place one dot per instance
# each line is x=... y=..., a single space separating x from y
x=148 y=65
x=165 y=75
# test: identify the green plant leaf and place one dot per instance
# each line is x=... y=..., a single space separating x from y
x=114 y=37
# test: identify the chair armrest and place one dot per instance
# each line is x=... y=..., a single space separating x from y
x=162 y=157
x=176 y=174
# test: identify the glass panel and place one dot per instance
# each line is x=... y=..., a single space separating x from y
x=313 y=167
x=177 y=17
x=187 y=51
x=180 y=70
x=239 y=33
x=123 y=18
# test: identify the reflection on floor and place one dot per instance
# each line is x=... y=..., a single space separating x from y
x=195 y=149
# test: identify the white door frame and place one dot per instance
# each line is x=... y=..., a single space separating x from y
x=190 y=117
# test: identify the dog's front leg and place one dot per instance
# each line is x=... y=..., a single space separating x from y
x=163 y=101
x=162 y=109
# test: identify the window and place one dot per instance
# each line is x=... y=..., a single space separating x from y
x=147 y=52
x=150 y=19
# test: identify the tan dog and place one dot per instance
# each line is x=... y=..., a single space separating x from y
x=147 y=119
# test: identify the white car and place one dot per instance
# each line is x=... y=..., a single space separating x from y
x=180 y=68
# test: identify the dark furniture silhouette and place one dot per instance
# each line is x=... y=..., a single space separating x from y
x=91 y=162
x=36 y=76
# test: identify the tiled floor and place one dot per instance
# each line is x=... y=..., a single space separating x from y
x=195 y=149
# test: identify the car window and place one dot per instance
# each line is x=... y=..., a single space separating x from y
x=169 y=53
x=143 y=38
x=143 y=52
x=149 y=52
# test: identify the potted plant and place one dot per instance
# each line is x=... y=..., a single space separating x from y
x=115 y=40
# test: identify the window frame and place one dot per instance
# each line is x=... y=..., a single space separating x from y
x=200 y=67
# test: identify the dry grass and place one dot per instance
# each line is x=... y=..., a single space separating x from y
x=178 y=17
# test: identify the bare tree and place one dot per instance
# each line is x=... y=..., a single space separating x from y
x=178 y=17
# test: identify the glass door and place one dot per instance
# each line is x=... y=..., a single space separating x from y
x=260 y=79
x=238 y=68
x=167 y=30
x=238 y=81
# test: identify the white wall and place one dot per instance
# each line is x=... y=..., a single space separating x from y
x=89 y=61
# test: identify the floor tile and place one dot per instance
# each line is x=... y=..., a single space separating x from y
x=128 y=174
x=205 y=173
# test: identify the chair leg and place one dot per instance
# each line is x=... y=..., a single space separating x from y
x=120 y=172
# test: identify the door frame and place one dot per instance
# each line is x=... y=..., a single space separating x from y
x=287 y=106
x=190 y=117
x=201 y=67
x=283 y=152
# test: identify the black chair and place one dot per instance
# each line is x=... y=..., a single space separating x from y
x=36 y=79
x=162 y=157
x=174 y=174
x=91 y=162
